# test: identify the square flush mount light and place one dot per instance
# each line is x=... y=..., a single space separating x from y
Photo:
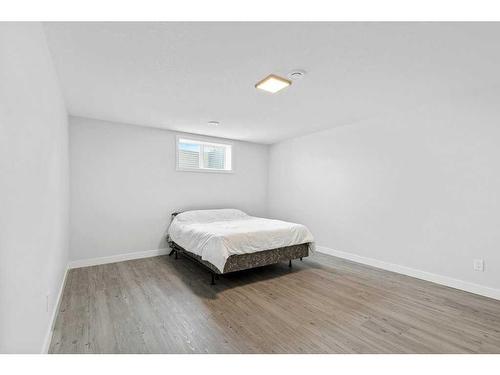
x=273 y=84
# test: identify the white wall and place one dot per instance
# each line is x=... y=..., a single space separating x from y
x=419 y=189
x=124 y=186
x=33 y=188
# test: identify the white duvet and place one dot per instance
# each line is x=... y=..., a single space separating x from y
x=215 y=235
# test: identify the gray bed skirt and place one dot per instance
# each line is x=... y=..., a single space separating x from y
x=252 y=260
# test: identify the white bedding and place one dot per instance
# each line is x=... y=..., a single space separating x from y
x=215 y=235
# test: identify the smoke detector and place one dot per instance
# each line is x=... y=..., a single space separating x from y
x=296 y=74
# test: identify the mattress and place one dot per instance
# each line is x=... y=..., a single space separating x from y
x=215 y=235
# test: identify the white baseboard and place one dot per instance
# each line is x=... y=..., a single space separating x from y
x=432 y=277
x=117 y=258
x=55 y=310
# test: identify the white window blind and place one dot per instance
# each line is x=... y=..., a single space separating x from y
x=199 y=155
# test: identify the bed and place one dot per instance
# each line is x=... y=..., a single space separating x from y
x=229 y=240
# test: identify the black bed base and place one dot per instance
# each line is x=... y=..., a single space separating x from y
x=245 y=261
x=213 y=274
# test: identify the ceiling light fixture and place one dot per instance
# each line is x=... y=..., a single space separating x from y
x=214 y=123
x=272 y=83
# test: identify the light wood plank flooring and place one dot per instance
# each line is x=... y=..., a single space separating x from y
x=322 y=305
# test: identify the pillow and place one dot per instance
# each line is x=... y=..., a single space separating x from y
x=209 y=216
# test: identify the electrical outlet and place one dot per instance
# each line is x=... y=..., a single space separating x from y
x=478 y=265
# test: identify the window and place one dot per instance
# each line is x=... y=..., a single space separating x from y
x=197 y=155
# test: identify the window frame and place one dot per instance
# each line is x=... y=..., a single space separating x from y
x=209 y=141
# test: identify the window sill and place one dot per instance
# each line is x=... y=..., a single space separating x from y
x=222 y=171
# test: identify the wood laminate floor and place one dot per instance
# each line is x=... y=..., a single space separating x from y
x=322 y=305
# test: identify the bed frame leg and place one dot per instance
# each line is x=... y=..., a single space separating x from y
x=301 y=258
x=176 y=254
x=171 y=252
x=290 y=263
x=213 y=279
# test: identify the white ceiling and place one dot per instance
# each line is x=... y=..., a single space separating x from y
x=181 y=75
